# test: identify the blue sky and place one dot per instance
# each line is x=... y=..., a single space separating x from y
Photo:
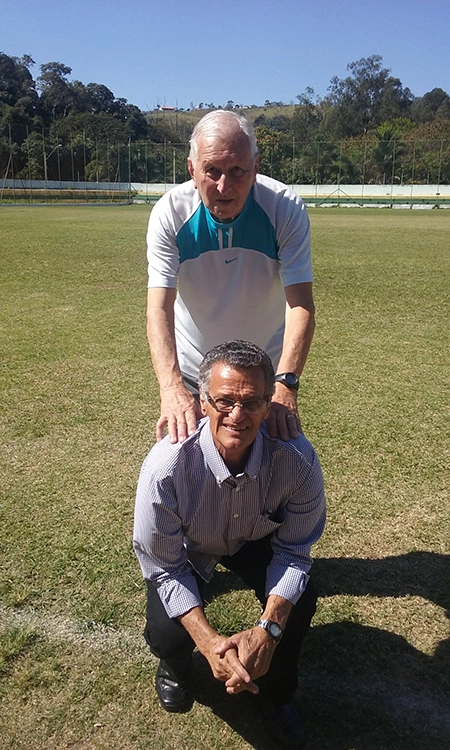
x=173 y=52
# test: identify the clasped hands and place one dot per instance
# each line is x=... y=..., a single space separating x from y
x=240 y=659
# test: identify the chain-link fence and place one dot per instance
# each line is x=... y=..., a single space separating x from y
x=71 y=167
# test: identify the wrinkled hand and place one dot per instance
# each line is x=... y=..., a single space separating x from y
x=226 y=666
x=283 y=420
x=179 y=412
x=254 y=649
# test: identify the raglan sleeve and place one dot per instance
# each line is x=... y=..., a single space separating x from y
x=293 y=237
x=162 y=250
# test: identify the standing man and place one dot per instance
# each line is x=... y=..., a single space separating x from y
x=233 y=495
x=228 y=257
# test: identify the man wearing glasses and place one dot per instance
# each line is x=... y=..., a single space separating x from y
x=228 y=257
x=231 y=494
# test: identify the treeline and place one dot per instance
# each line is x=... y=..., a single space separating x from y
x=85 y=126
x=369 y=128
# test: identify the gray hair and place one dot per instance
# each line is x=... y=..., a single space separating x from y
x=214 y=123
x=240 y=355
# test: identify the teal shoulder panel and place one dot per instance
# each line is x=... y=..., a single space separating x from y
x=254 y=230
x=197 y=236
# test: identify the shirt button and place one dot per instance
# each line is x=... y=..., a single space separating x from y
x=235 y=515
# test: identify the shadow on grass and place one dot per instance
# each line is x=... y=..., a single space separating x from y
x=361 y=688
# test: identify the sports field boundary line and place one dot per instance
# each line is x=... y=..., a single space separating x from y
x=97 y=636
x=91 y=634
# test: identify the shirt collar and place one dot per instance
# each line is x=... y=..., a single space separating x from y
x=230 y=224
x=215 y=461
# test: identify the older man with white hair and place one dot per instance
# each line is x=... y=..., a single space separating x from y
x=228 y=257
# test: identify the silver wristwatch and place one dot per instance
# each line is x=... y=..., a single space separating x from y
x=274 y=630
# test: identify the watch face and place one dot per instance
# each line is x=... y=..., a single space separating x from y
x=275 y=630
x=289 y=379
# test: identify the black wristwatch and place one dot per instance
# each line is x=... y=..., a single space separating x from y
x=289 y=379
x=274 y=630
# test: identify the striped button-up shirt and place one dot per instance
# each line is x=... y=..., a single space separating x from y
x=191 y=511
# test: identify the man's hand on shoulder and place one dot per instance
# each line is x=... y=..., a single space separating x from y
x=179 y=413
x=283 y=420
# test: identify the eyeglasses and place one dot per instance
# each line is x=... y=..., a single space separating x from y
x=226 y=405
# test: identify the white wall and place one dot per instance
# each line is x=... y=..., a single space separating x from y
x=306 y=191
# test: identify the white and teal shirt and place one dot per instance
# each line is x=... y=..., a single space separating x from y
x=230 y=277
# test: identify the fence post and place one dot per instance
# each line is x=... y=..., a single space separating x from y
x=413 y=168
x=29 y=164
x=129 y=170
x=440 y=168
x=44 y=156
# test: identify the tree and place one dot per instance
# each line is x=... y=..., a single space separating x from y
x=434 y=104
x=18 y=107
x=275 y=152
x=430 y=144
x=101 y=99
x=18 y=96
x=307 y=117
x=367 y=97
x=280 y=123
x=17 y=88
x=132 y=117
x=56 y=93
x=32 y=157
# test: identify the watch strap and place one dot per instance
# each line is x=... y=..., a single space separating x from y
x=289 y=379
x=275 y=631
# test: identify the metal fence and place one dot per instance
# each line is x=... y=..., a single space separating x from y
x=77 y=162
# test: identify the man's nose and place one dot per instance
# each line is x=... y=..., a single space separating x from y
x=223 y=184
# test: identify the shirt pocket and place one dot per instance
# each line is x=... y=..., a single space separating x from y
x=262 y=527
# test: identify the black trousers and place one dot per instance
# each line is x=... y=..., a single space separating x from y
x=169 y=640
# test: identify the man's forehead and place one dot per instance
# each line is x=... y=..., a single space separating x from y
x=225 y=376
x=224 y=145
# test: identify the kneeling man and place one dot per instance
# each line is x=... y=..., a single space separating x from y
x=231 y=494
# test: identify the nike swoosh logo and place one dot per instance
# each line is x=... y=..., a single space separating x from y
x=231 y=260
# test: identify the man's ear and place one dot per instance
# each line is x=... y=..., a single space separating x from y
x=191 y=169
x=203 y=406
x=255 y=168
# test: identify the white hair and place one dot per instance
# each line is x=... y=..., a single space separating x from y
x=214 y=123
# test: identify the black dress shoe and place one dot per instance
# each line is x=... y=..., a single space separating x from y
x=283 y=723
x=174 y=695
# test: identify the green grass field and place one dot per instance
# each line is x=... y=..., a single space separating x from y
x=79 y=403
